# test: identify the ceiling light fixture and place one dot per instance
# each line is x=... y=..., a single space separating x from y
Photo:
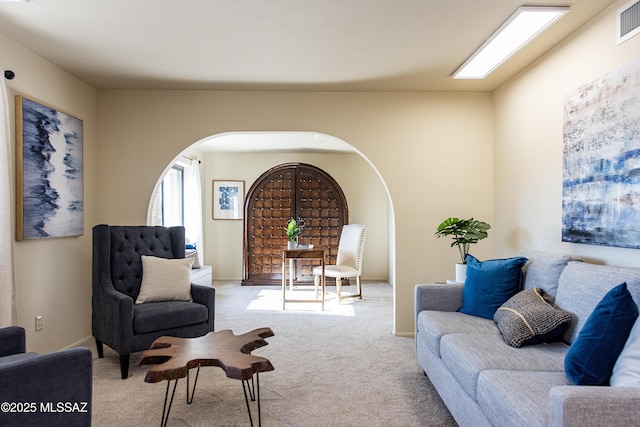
x=521 y=27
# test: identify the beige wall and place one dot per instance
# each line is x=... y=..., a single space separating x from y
x=366 y=197
x=529 y=141
x=53 y=276
x=414 y=140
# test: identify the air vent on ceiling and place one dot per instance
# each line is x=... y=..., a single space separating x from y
x=628 y=24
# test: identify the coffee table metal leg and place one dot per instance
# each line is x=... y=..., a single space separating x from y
x=190 y=398
x=258 y=399
x=254 y=395
x=251 y=387
x=166 y=409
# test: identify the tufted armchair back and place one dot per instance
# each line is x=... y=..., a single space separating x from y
x=126 y=244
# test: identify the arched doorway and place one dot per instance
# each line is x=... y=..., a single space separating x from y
x=224 y=239
x=291 y=190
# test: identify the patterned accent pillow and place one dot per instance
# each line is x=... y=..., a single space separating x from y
x=530 y=318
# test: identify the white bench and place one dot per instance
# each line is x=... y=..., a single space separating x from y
x=202 y=275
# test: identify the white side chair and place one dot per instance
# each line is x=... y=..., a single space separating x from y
x=349 y=262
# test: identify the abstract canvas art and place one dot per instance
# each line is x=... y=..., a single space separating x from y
x=49 y=172
x=601 y=178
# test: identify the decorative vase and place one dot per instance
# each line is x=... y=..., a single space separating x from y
x=292 y=244
x=461 y=272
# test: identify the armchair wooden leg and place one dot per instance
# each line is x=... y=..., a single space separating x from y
x=359 y=286
x=124 y=366
x=99 y=349
x=338 y=286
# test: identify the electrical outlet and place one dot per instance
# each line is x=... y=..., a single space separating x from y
x=38 y=323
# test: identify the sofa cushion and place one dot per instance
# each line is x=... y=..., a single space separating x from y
x=593 y=354
x=530 y=318
x=517 y=398
x=543 y=269
x=468 y=355
x=433 y=325
x=626 y=371
x=582 y=285
x=162 y=315
x=489 y=284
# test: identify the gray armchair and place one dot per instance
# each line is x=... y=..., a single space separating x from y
x=34 y=385
x=117 y=321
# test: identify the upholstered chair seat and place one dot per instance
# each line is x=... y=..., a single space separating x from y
x=157 y=316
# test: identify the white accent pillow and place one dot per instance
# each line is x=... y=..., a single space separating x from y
x=165 y=279
x=626 y=371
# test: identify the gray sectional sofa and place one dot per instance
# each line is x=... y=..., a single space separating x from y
x=485 y=382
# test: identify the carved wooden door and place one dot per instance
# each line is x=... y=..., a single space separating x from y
x=292 y=190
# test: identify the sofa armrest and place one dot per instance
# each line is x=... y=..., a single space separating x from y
x=584 y=406
x=205 y=295
x=41 y=383
x=437 y=296
x=12 y=341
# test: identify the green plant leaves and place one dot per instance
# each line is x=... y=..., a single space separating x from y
x=464 y=232
x=292 y=229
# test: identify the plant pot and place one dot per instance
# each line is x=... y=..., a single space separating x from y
x=461 y=272
x=291 y=244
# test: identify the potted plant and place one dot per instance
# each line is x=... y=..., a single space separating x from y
x=292 y=231
x=464 y=233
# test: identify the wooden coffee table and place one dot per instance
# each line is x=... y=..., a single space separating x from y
x=174 y=357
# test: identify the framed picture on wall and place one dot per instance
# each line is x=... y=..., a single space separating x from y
x=600 y=188
x=49 y=172
x=228 y=199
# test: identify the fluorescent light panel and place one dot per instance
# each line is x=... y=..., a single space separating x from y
x=521 y=27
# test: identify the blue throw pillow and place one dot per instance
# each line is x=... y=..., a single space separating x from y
x=593 y=354
x=489 y=284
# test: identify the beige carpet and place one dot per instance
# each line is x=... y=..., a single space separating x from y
x=340 y=367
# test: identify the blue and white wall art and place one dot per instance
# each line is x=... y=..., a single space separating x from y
x=228 y=199
x=601 y=179
x=49 y=195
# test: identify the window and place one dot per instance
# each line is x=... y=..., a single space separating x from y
x=169 y=201
x=178 y=200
